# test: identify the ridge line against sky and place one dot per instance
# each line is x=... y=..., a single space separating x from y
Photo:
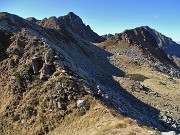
x=106 y=16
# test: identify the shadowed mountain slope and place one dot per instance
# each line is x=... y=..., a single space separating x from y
x=171 y=48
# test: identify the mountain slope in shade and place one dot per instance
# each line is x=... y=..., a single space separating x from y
x=74 y=23
x=165 y=43
x=171 y=48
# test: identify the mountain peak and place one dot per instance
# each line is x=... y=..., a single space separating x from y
x=75 y=24
x=69 y=16
x=32 y=19
x=72 y=14
x=146 y=27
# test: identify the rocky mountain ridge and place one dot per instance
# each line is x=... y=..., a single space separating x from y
x=148 y=51
x=166 y=44
x=170 y=47
x=43 y=62
x=74 y=23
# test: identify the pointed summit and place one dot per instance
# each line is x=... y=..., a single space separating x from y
x=72 y=14
x=70 y=17
x=75 y=24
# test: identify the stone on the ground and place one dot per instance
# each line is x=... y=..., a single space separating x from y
x=81 y=103
x=168 y=133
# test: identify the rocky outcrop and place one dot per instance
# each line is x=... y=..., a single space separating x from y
x=36 y=64
x=108 y=36
x=51 y=22
x=32 y=19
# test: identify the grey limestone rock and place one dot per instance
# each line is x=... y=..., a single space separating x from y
x=168 y=133
x=81 y=103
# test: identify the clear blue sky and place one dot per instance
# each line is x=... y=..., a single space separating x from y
x=106 y=16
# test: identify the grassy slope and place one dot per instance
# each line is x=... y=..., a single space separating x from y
x=99 y=121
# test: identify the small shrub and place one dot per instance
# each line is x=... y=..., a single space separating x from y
x=18 y=78
x=16 y=117
x=29 y=110
x=43 y=106
x=136 y=77
x=81 y=111
x=41 y=132
x=36 y=78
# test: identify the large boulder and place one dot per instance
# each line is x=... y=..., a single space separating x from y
x=46 y=71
